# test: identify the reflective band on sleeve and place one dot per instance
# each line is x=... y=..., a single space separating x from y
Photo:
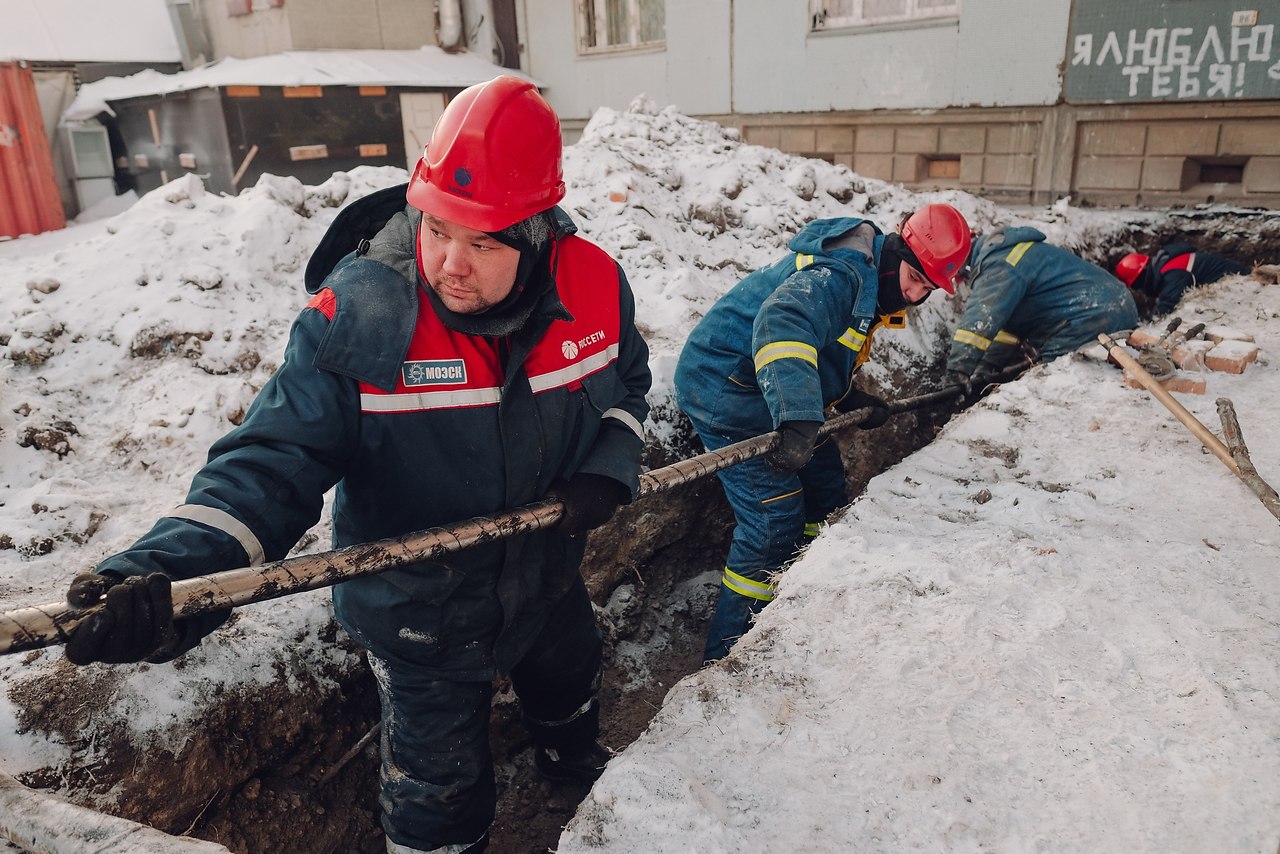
x=853 y=339
x=626 y=418
x=964 y=336
x=575 y=372
x=226 y=523
x=744 y=586
x=803 y=260
x=786 y=350
x=1003 y=337
x=812 y=529
x=1018 y=251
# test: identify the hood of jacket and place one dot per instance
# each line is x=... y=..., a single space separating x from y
x=813 y=238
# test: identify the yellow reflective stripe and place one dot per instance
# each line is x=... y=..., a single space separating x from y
x=811 y=529
x=803 y=260
x=1018 y=251
x=746 y=587
x=964 y=336
x=790 y=494
x=786 y=350
x=1003 y=337
x=853 y=339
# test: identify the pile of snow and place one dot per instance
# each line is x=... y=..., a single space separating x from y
x=932 y=660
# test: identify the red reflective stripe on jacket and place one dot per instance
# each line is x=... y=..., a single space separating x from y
x=1180 y=262
x=324 y=302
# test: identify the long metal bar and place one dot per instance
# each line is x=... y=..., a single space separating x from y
x=42 y=625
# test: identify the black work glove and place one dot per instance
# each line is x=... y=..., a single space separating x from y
x=589 y=500
x=961 y=379
x=135 y=620
x=858 y=399
x=796 y=446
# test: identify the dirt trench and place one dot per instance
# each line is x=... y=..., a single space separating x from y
x=252 y=780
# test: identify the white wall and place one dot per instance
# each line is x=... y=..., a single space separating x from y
x=758 y=56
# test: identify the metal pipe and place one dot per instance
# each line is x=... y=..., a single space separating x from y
x=42 y=625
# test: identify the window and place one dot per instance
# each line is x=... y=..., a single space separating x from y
x=620 y=24
x=827 y=14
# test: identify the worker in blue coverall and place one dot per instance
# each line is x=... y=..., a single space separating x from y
x=1159 y=281
x=463 y=353
x=1030 y=299
x=773 y=354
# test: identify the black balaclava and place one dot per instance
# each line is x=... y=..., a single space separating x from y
x=893 y=252
x=532 y=239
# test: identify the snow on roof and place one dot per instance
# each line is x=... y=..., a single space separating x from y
x=75 y=31
x=428 y=66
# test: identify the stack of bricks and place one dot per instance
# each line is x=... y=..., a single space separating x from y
x=1217 y=348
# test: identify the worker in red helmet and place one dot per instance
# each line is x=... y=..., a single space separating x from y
x=1030 y=299
x=777 y=352
x=1158 y=282
x=463 y=353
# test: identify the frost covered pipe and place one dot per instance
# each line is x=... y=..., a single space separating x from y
x=41 y=823
x=450 y=13
x=42 y=625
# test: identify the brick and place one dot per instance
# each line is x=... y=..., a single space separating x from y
x=962 y=140
x=835 y=140
x=874 y=141
x=1012 y=139
x=1143 y=337
x=916 y=140
x=1167 y=138
x=845 y=160
x=1009 y=169
x=1262 y=175
x=1225 y=333
x=1178 y=382
x=1113 y=138
x=879 y=166
x=1260 y=136
x=1168 y=173
x=1109 y=173
x=1189 y=355
x=1230 y=357
x=798 y=140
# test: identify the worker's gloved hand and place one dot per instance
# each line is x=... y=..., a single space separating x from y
x=961 y=379
x=134 y=622
x=858 y=399
x=796 y=446
x=589 y=500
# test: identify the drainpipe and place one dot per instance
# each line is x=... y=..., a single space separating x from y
x=449 y=15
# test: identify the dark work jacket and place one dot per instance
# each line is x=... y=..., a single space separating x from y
x=1179 y=266
x=784 y=342
x=419 y=426
x=1027 y=290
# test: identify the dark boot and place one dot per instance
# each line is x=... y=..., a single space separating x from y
x=561 y=766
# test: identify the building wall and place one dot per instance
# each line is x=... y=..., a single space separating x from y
x=1018 y=100
x=318 y=25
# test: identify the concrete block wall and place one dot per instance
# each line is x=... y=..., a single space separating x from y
x=1153 y=154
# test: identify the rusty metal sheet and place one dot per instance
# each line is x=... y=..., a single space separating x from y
x=29 y=198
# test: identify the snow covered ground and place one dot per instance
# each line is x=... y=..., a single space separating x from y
x=1056 y=628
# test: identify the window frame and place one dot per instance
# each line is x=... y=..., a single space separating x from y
x=820 y=20
x=586 y=11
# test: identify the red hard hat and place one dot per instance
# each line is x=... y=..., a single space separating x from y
x=939 y=236
x=1131 y=267
x=493 y=158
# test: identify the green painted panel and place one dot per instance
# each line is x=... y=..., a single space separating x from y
x=1173 y=50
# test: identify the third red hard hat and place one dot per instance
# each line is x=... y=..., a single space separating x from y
x=493 y=158
x=939 y=236
x=1131 y=267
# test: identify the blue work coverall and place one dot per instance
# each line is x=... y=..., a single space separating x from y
x=780 y=346
x=1031 y=295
